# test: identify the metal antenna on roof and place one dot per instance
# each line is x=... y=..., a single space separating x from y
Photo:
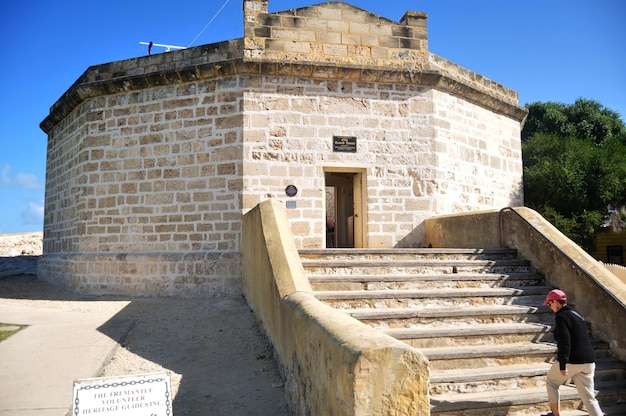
x=167 y=47
x=208 y=24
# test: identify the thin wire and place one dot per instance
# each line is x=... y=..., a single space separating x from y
x=208 y=24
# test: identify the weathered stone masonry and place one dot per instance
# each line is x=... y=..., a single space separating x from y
x=152 y=161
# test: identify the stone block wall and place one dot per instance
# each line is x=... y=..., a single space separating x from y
x=153 y=160
x=423 y=151
x=333 y=32
x=152 y=175
x=340 y=38
x=63 y=178
x=478 y=157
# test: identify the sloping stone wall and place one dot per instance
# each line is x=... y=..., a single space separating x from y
x=332 y=363
x=618 y=270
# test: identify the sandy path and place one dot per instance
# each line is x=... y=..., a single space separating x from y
x=218 y=358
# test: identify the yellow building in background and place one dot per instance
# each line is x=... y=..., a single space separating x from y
x=610 y=247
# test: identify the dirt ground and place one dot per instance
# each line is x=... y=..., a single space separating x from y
x=218 y=358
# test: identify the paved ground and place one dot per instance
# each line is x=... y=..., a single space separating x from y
x=217 y=357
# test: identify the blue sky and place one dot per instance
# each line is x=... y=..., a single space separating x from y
x=547 y=50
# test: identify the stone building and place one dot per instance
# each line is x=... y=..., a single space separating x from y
x=333 y=110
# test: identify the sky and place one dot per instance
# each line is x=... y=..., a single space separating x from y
x=546 y=50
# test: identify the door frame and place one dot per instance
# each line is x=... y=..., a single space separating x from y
x=359 y=196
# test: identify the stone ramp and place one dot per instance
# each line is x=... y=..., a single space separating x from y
x=475 y=313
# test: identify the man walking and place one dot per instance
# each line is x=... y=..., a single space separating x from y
x=575 y=356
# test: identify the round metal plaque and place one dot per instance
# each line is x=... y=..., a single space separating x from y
x=291 y=190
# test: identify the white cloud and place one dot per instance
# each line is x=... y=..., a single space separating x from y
x=34 y=213
x=28 y=181
x=5 y=175
x=20 y=180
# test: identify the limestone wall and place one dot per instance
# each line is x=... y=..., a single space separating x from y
x=152 y=175
x=618 y=270
x=331 y=32
x=153 y=160
x=339 y=37
x=424 y=152
x=170 y=169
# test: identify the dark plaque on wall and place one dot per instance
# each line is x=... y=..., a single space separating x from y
x=346 y=144
x=291 y=190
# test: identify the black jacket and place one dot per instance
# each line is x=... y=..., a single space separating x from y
x=572 y=339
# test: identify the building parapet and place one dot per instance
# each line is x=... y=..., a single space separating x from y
x=311 y=42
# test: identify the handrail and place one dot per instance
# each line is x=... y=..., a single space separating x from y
x=500 y=223
x=558 y=249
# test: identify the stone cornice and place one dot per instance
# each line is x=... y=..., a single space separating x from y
x=111 y=78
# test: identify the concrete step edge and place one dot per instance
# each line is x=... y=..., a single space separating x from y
x=497 y=398
x=615 y=410
x=438 y=277
x=357 y=251
x=448 y=402
x=310 y=263
x=479 y=351
x=465 y=375
x=431 y=293
x=488 y=373
x=460 y=331
x=442 y=312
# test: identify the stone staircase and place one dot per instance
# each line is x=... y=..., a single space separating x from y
x=475 y=313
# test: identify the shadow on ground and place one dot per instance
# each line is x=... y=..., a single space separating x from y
x=213 y=347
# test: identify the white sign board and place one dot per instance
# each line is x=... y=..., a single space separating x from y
x=142 y=395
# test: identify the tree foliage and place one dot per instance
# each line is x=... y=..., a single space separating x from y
x=583 y=119
x=574 y=166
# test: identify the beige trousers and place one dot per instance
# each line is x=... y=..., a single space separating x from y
x=582 y=375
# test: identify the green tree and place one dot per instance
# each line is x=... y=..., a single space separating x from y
x=574 y=166
x=584 y=119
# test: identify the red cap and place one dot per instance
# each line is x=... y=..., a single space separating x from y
x=555 y=294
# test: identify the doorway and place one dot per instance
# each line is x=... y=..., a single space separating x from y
x=344 y=209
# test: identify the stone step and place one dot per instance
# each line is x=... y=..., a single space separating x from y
x=474 y=335
x=465 y=375
x=406 y=317
x=351 y=299
x=614 y=410
x=432 y=281
x=470 y=380
x=418 y=267
x=409 y=253
x=610 y=368
x=476 y=315
x=519 y=401
x=473 y=380
x=489 y=355
x=479 y=356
